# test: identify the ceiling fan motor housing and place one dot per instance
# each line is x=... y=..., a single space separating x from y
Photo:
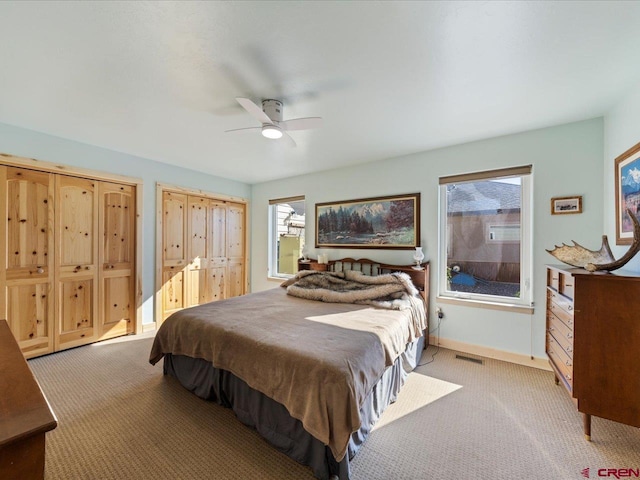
x=273 y=109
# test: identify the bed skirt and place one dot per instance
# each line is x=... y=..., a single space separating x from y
x=272 y=420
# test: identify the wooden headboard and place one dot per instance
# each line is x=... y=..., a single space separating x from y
x=420 y=278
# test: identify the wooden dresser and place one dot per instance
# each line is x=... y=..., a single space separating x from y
x=593 y=341
x=25 y=415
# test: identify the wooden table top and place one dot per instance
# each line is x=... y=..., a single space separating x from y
x=24 y=410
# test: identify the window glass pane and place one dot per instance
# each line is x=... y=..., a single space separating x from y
x=483 y=237
x=287 y=237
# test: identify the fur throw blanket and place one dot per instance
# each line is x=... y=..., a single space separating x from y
x=391 y=290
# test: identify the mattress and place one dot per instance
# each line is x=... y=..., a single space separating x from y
x=273 y=421
x=319 y=364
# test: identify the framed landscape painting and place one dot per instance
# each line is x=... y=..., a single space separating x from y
x=627 y=193
x=391 y=222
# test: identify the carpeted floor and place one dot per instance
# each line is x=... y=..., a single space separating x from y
x=120 y=418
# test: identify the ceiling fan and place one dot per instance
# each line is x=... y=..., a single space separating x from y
x=270 y=116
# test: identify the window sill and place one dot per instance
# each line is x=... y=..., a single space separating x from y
x=278 y=279
x=467 y=302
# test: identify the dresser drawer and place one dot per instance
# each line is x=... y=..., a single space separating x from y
x=566 y=286
x=561 y=333
x=561 y=306
x=553 y=278
x=562 y=362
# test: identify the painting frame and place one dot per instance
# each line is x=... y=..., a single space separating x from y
x=627 y=192
x=371 y=226
x=566 y=205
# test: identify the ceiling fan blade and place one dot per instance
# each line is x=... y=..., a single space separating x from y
x=242 y=129
x=254 y=110
x=302 y=123
x=286 y=138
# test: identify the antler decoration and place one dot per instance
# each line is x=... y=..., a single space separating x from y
x=593 y=260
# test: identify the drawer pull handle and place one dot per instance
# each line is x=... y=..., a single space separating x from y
x=551 y=329
x=567 y=376
x=40 y=270
x=570 y=307
x=569 y=350
x=567 y=363
x=569 y=335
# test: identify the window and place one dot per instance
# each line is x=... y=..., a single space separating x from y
x=286 y=235
x=485 y=236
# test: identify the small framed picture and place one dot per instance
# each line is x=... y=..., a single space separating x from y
x=564 y=205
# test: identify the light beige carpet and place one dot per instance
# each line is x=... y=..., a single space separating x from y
x=120 y=418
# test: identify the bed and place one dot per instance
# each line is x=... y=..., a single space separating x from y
x=311 y=366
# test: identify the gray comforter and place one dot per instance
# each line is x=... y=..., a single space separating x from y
x=320 y=360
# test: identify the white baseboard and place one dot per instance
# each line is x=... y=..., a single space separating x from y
x=520 y=359
x=148 y=327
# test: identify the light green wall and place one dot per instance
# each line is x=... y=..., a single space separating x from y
x=567 y=160
x=27 y=143
x=621 y=132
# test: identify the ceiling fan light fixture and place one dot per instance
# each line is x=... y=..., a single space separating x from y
x=271 y=131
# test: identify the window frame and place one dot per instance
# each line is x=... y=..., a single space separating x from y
x=525 y=301
x=272 y=240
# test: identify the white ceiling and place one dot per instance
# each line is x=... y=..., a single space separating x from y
x=158 y=79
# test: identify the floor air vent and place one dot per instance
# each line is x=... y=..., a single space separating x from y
x=470 y=359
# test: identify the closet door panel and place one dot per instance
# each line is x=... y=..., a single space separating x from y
x=236 y=279
x=197 y=250
x=76 y=321
x=174 y=229
x=116 y=259
x=77 y=223
x=117 y=208
x=172 y=292
x=217 y=276
x=235 y=231
x=30 y=313
x=218 y=231
x=26 y=268
x=76 y=261
x=198 y=220
x=236 y=250
x=218 y=283
x=174 y=253
x=197 y=292
x=28 y=218
x=117 y=308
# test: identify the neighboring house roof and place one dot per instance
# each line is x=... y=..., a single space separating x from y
x=483 y=197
